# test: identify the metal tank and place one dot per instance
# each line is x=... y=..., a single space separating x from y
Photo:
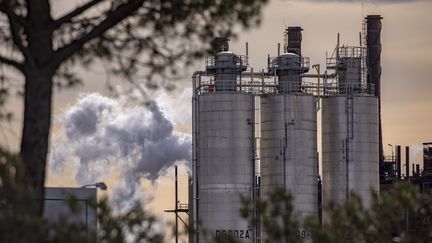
x=223 y=152
x=349 y=148
x=225 y=160
x=289 y=138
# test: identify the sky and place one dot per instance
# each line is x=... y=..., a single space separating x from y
x=406 y=77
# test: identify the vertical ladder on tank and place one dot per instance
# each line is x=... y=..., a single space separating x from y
x=348 y=143
x=364 y=64
x=349 y=110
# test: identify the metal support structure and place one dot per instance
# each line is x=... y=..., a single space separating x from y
x=178 y=207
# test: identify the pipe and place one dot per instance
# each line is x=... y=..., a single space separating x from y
x=413 y=170
x=247 y=49
x=324 y=75
x=278 y=49
x=407 y=163
x=176 y=205
x=398 y=162
x=196 y=75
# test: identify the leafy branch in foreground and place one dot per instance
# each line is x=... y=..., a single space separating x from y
x=128 y=36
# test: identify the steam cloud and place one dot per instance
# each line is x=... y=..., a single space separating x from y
x=100 y=132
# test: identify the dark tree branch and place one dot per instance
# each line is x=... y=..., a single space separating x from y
x=12 y=63
x=112 y=19
x=67 y=18
x=14 y=27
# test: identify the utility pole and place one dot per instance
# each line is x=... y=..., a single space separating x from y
x=178 y=208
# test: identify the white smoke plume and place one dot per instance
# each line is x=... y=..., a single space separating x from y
x=100 y=132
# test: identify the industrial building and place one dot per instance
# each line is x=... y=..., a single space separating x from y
x=57 y=206
x=254 y=131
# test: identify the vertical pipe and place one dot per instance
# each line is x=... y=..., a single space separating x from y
x=176 y=206
x=373 y=42
x=247 y=49
x=413 y=170
x=294 y=39
x=196 y=83
x=407 y=165
x=278 y=53
x=268 y=61
x=337 y=46
x=253 y=165
x=398 y=162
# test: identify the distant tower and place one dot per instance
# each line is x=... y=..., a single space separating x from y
x=373 y=43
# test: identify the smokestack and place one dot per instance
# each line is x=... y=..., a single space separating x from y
x=220 y=44
x=373 y=43
x=427 y=159
x=407 y=165
x=398 y=162
x=294 y=39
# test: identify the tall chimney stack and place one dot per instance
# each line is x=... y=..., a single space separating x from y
x=427 y=159
x=407 y=162
x=373 y=43
x=294 y=39
x=398 y=162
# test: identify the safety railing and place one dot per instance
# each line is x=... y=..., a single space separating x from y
x=239 y=61
x=264 y=83
x=293 y=62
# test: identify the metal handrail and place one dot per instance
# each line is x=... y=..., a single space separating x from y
x=210 y=61
x=303 y=61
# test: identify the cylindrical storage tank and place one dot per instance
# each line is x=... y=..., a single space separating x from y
x=289 y=150
x=225 y=163
x=350 y=160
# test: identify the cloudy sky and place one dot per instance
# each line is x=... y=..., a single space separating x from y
x=406 y=75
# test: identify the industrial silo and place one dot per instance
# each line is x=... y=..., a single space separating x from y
x=350 y=128
x=223 y=166
x=289 y=135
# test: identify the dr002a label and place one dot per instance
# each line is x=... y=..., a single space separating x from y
x=241 y=234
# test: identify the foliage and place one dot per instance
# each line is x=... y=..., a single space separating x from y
x=19 y=226
x=384 y=221
x=129 y=36
x=402 y=214
x=276 y=217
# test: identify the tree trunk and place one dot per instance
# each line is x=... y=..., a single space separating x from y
x=38 y=72
x=36 y=130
